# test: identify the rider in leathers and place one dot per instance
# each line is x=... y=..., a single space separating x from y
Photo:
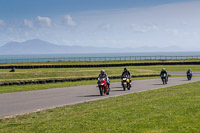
x=104 y=75
x=189 y=72
x=163 y=71
x=126 y=72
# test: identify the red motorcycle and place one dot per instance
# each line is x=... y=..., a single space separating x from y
x=103 y=87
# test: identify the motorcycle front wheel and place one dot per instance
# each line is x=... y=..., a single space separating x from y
x=163 y=80
x=101 y=90
x=108 y=92
x=128 y=86
x=124 y=87
x=189 y=77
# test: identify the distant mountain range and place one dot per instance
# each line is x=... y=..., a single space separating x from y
x=37 y=46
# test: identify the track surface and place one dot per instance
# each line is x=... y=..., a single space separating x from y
x=29 y=101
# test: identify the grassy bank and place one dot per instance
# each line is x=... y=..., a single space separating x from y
x=172 y=109
x=56 y=73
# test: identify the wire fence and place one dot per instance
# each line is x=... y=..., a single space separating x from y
x=119 y=58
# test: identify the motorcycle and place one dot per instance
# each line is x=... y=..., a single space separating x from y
x=103 y=86
x=164 y=78
x=189 y=75
x=126 y=83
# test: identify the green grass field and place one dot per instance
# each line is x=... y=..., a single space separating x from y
x=173 y=109
x=57 y=73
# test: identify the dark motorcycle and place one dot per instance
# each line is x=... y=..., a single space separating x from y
x=103 y=86
x=189 y=75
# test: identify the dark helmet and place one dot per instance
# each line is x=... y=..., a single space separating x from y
x=125 y=69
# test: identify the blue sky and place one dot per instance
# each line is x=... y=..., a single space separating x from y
x=27 y=8
x=103 y=23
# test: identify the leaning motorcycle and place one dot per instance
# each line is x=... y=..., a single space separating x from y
x=103 y=86
x=164 y=78
x=126 y=83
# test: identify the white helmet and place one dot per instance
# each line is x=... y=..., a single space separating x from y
x=163 y=69
x=102 y=71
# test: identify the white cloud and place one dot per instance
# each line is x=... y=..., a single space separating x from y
x=2 y=22
x=67 y=42
x=28 y=23
x=143 y=28
x=138 y=28
x=174 y=32
x=178 y=33
x=44 y=20
x=155 y=28
x=69 y=20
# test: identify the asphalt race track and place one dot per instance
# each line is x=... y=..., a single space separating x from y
x=29 y=101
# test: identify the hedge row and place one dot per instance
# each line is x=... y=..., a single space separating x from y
x=99 y=65
x=63 y=80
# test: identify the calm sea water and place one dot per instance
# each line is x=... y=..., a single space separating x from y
x=91 y=57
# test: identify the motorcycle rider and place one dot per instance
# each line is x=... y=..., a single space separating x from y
x=163 y=71
x=126 y=73
x=189 y=72
x=104 y=75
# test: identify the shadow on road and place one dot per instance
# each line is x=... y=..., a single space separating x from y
x=117 y=90
x=157 y=84
x=117 y=87
x=90 y=96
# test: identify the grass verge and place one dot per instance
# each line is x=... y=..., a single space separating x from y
x=172 y=109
